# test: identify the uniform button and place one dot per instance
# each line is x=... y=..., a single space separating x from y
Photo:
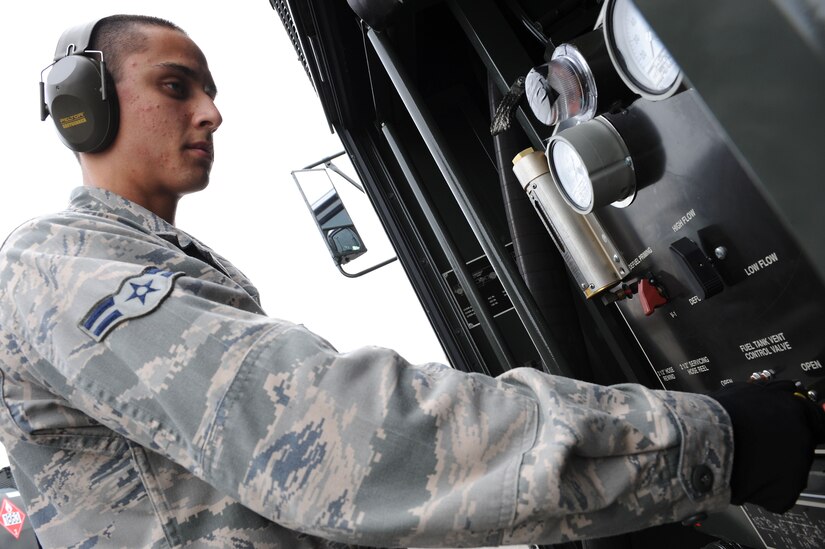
x=702 y=479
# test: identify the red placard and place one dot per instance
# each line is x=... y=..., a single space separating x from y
x=12 y=518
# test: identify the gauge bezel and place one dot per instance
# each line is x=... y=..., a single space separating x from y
x=587 y=83
x=618 y=58
x=607 y=160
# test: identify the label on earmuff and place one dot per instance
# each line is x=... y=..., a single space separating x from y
x=73 y=120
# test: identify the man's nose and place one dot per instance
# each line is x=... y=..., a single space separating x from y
x=208 y=114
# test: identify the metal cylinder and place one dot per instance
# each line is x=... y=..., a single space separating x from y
x=594 y=261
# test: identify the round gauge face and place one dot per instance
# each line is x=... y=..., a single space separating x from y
x=642 y=56
x=572 y=175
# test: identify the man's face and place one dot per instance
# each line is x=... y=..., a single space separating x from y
x=167 y=117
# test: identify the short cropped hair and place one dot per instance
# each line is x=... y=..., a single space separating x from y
x=120 y=35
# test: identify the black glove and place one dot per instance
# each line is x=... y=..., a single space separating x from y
x=775 y=433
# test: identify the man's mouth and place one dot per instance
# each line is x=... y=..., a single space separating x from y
x=203 y=149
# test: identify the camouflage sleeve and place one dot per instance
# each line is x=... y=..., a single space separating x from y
x=359 y=447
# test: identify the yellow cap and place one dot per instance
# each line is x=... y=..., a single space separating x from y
x=522 y=154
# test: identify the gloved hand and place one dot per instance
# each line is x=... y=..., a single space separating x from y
x=774 y=435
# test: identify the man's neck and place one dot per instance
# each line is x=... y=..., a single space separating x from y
x=163 y=205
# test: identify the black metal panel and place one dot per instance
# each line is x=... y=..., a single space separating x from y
x=476 y=215
x=771 y=309
x=760 y=68
x=770 y=312
x=333 y=51
x=463 y=280
x=502 y=54
x=382 y=186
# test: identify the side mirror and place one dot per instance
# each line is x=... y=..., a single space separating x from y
x=331 y=216
x=335 y=224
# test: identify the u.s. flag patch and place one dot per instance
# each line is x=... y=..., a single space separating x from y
x=137 y=296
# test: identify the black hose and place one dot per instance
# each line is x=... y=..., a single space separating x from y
x=537 y=258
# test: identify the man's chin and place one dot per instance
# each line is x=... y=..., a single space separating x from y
x=195 y=186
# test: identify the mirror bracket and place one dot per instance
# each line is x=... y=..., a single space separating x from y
x=365 y=271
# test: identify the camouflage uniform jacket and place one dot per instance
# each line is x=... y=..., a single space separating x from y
x=149 y=402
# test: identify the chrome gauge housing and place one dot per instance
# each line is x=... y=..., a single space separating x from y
x=642 y=61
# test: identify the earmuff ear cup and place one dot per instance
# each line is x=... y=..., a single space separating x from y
x=84 y=120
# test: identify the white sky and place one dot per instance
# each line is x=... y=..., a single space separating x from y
x=252 y=212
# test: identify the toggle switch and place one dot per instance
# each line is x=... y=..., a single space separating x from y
x=650 y=296
x=699 y=265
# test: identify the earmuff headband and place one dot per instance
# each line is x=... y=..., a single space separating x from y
x=75 y=40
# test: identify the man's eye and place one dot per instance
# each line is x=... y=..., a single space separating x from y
x=176 y=87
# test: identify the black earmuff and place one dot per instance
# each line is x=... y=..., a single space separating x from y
x=79 y=93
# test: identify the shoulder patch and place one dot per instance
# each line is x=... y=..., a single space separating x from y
x=137 y=296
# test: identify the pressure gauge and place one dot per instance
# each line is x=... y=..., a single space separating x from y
x=643 y=62
x=571 y=174
x=591 y=166
x=578 y=83
x=563 y=88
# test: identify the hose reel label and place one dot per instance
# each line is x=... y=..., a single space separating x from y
x=691 y=367
x=696 y=366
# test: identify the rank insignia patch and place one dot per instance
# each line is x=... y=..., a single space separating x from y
x=137 y=296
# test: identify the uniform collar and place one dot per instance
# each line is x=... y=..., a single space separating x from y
x=103 y=202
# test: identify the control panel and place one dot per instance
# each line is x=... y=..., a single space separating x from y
x=722 y=291
x=656 y=214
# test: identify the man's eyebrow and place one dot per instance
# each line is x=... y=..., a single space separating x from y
x=209 y=84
